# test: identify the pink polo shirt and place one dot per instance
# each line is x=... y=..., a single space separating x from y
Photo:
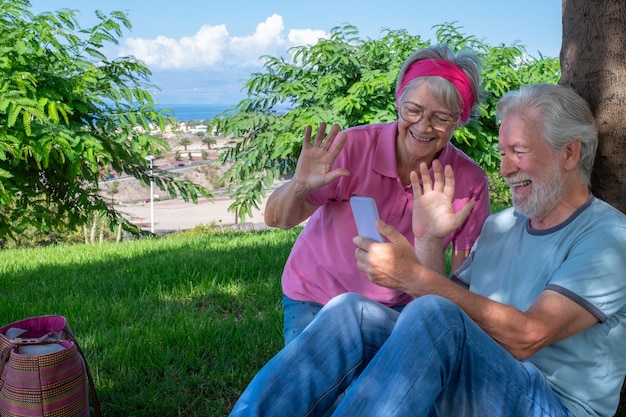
x=322 y=264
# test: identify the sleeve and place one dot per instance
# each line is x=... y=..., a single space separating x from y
x=594 y=271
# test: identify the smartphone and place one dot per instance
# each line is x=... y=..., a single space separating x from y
x=365 y=215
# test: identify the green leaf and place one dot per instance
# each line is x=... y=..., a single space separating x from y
x=67 y=114
x=351 y=81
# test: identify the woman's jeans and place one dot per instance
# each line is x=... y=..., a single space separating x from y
x=297 y=315
x=431 y=355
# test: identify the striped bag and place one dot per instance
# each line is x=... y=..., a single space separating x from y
x=43 y=371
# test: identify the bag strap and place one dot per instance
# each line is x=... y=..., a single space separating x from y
x=92 y=387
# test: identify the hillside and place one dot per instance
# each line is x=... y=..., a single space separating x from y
x=204 y=168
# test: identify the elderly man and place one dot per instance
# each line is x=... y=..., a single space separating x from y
x=532 y=324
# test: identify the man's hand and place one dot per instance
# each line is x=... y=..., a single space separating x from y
x=392 y=264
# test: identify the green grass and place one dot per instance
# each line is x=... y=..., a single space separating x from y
x=171 y=327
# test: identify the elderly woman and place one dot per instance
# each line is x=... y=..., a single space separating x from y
x=437 y=92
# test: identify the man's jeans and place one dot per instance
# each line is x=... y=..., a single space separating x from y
x=395 y=364
x=299 y=314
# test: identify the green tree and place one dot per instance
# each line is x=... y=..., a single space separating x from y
x=351 y=81
x=184 y=141
x=68 y=115
x=207 y=139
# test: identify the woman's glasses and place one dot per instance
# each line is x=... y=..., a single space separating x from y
x=440 y=121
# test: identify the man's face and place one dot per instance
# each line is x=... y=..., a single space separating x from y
x=530 y=167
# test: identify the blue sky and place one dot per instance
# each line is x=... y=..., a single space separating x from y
x=202 y=52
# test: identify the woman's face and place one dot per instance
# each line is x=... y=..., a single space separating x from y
x=425 y=125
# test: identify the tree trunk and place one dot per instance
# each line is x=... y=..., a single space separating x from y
x=593 y=62
x=94 y=228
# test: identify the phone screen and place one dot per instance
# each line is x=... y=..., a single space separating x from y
x=365 y=215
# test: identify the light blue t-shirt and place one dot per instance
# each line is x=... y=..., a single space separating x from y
x=584 y=259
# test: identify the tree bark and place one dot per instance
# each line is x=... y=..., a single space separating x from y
x=593 y=63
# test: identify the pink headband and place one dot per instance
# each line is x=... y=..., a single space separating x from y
x=444 y=69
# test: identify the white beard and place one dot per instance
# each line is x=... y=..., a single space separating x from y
x=548 y=186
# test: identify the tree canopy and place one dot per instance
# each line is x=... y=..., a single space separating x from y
x=68 y=115
x=351 y=81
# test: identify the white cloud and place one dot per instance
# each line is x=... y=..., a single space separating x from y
x=204 y=49
x=212 y=48
x=305 y=36
x=266 y=40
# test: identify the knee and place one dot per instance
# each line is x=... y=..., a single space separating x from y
x=348 y=298
x=433 y=306
x=341 y=315
x=352 y=306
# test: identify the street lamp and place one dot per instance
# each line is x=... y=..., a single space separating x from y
x=151 y=158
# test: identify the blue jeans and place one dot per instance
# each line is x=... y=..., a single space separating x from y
x=430 y=356
x=299 y=314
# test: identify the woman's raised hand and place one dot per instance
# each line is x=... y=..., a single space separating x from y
x=314 y=169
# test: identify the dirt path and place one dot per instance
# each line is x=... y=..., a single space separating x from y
x=132 y=198
x=175 y=215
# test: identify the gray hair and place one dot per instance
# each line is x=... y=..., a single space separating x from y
x=564 y=115
x=442 y=89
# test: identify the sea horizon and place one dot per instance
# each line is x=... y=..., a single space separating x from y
x=199 y=112
x=195 y=112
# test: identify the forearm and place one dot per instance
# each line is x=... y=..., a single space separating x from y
x=430 y=254
x=507 y=325
x=518 y=332
x=287 y=207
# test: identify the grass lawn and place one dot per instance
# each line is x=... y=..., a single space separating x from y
x=171 y=327
x=175 y=326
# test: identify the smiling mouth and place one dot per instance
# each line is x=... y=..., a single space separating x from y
x=423 y=140
x=517 y=184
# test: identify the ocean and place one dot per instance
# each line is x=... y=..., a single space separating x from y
x=184 y=112
x=199 y=112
